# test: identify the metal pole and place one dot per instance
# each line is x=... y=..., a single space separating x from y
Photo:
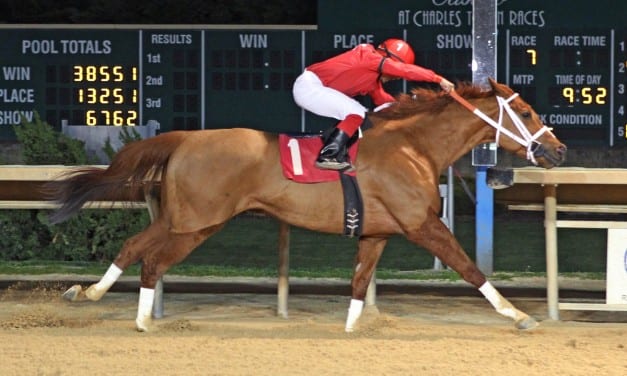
x=484 y=222
x=450 y=195
x=484 y=29
x=371 y=292
x=550 y=231
x=283 y=286
x=152 y=202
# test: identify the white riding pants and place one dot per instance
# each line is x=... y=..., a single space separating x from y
x=310 y=94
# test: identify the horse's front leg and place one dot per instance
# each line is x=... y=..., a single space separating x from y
x=436 y=237
x=370 y=250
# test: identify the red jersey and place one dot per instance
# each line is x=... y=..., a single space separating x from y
x=356 y=72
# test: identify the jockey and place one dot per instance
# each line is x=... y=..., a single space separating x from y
x=327 y=89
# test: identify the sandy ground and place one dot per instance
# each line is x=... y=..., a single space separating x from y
x=240 y=334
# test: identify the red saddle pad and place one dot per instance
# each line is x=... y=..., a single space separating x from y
x=298 y=158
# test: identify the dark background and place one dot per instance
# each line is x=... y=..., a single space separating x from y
x=289 y=12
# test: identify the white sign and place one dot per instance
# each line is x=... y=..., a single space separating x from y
x=616 y=266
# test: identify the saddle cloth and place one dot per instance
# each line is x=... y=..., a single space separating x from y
x=298 y=158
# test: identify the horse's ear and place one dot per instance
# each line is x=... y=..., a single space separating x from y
x=498 y=88
x=495 y=86
x=493 y=83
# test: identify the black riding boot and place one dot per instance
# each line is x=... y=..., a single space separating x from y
x=333 y=155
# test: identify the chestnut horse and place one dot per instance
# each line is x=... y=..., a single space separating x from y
x=207 y=177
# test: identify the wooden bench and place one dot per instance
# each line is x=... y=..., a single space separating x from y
x=573 y=208
x=20 y=188
x=37 y=204
x=589 y=190
x=580 y=209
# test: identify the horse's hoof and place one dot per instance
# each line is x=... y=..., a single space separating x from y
x=142 y=324
x=526 y=323
x=93 y=294
x=73 y=293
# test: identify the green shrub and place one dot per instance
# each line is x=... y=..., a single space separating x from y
x=92 y=235
x=19 y=235
x=43 y=145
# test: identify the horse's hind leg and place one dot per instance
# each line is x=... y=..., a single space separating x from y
x=436 y=237
x=171 y=249
x=370 y=250
x=132 y=251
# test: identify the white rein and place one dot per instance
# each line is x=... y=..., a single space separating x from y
x=526 y=139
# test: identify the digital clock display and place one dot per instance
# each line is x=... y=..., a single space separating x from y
x=572 y=77
x=575 y=95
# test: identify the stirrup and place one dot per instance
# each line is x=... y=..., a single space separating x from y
x=334 y=164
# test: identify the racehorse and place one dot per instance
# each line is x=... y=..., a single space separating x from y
x=209 y=176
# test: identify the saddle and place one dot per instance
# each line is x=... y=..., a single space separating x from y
x=298 y=157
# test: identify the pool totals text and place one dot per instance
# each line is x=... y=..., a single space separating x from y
x=89 y=78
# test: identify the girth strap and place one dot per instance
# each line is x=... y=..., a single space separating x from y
x=353 y=206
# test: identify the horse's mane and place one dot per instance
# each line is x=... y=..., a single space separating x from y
x=423 y=100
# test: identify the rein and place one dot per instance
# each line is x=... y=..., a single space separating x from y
x=525 y=139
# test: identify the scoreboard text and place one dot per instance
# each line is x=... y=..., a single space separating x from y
x=566 y=58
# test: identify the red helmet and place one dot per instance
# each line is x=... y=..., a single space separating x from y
x=397 y=49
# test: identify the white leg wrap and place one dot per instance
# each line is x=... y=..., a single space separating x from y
x=144 y=308
x=354 y=311
x=96 y=291
x=502 y=305
x=107 y=280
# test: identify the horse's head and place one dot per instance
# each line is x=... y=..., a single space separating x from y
x=520 y=130
x=515 y=126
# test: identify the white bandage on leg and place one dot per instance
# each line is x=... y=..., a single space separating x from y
x=499 y=303
x=97 y=290
x=354 y=311
x=144 y=308
x=107 y=280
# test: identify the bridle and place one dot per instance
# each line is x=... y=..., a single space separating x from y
x=526 y=139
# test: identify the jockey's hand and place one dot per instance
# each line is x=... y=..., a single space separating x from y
x=446 y=85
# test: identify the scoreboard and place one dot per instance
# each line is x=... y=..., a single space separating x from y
x=566 y=58
x=184 y=78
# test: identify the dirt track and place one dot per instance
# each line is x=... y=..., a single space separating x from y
x=240 y=334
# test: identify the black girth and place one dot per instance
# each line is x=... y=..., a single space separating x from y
x=353 y=203
x=353 y=206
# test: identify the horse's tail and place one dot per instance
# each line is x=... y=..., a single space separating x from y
x=137 y=166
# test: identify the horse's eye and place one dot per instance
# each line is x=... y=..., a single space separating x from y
x=526 y=114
